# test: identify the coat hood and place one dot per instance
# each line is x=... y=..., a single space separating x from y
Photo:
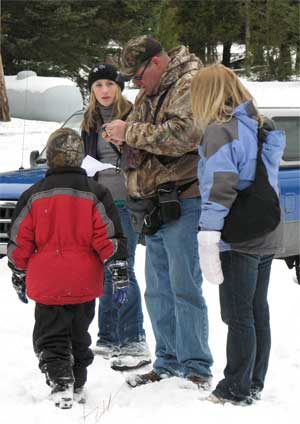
x=182 y=62
x=247 y=113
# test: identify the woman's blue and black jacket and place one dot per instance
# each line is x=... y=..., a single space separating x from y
x=228 y=153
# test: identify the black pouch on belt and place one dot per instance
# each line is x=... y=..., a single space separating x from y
x=144 y=214
x=169 y=204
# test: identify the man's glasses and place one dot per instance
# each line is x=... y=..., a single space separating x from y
x=140 y=77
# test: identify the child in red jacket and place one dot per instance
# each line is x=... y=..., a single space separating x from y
x=64 y=229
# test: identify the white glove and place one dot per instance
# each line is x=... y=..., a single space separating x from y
x=210 y=263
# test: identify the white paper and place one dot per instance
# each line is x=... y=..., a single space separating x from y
x=92 y=165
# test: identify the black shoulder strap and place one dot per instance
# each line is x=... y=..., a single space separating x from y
x=260 y=171
x=261 y=138
x=261 y=134
x=160 y=102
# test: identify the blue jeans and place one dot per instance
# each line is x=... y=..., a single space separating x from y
x=118 y=326
x=174 y=299
x=245 y=310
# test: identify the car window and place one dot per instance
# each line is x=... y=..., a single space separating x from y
x=291 y=126
x=74 y=123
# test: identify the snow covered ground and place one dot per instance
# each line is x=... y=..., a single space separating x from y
x=24 y=396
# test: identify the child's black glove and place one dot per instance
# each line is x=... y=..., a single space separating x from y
x=119 y=275
x=18 y=282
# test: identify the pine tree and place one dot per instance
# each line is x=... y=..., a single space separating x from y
x=65 y=37
x=4 y=109
x=62 y=38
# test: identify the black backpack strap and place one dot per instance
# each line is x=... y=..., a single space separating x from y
x=260 y=171
x=160 y=102
x=261 y=136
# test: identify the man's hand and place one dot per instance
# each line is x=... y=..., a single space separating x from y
x=210 y=263
x=114 y=132
x=18 y=282
x=119 y=274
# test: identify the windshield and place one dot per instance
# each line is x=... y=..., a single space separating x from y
x=74 y=123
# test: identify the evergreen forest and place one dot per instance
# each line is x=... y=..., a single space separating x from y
x=65 y=37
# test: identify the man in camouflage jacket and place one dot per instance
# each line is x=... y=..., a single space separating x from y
x=159 y=143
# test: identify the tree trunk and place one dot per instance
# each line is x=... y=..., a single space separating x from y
x=226 y=53
x=297 y=64
x=247 y=38
x=284 y=63
x=4 y=109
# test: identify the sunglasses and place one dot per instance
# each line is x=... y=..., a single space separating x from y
x=140 y=77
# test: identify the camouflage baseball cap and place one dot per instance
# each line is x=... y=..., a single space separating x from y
x=64 y=148
x=137 y=51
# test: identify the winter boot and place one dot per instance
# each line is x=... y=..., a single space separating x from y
x=255 y=393
x=132 y=356
x=106 y=350
x=136 y=380
x=216 y=397
x=200 y=382
x=62 y=395
x=79 y=395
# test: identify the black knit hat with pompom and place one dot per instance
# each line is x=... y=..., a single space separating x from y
x=107 y=72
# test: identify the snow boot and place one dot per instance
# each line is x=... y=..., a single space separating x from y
x=136 y=380
x=62 y=395
x=106 y=350
x=79 y=395
x=255 y=393
x=132 y=356
x=200 y=382
x=215 y=397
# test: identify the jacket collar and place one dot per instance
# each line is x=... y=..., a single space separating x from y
x=182 y=62
x=65 y=170
x=247 y=113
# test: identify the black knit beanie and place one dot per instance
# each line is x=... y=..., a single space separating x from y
x=105 y=71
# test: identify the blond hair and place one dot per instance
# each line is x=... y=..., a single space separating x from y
x=92 y=115
x=215 y=92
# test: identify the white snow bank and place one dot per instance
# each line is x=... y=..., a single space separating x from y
x=110 y=400
x=42 y=98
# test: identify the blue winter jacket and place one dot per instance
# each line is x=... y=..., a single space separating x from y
x=228 y=154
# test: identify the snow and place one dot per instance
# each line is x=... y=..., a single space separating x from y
x=42 y=98
x=24 y=396
x=35 y=83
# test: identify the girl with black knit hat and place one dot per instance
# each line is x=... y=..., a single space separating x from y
x=121 y=333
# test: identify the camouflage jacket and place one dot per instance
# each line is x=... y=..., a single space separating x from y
x=168 y=147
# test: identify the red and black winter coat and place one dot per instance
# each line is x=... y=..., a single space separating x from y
x=64 y=228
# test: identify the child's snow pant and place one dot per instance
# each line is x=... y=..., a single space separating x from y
x=61 y=342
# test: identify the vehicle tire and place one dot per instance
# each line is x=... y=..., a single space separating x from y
x=294 y=262
x=297 y=268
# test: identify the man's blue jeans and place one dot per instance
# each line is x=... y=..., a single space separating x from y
x=174 y=299
x=118 y=326
x=245 y=310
